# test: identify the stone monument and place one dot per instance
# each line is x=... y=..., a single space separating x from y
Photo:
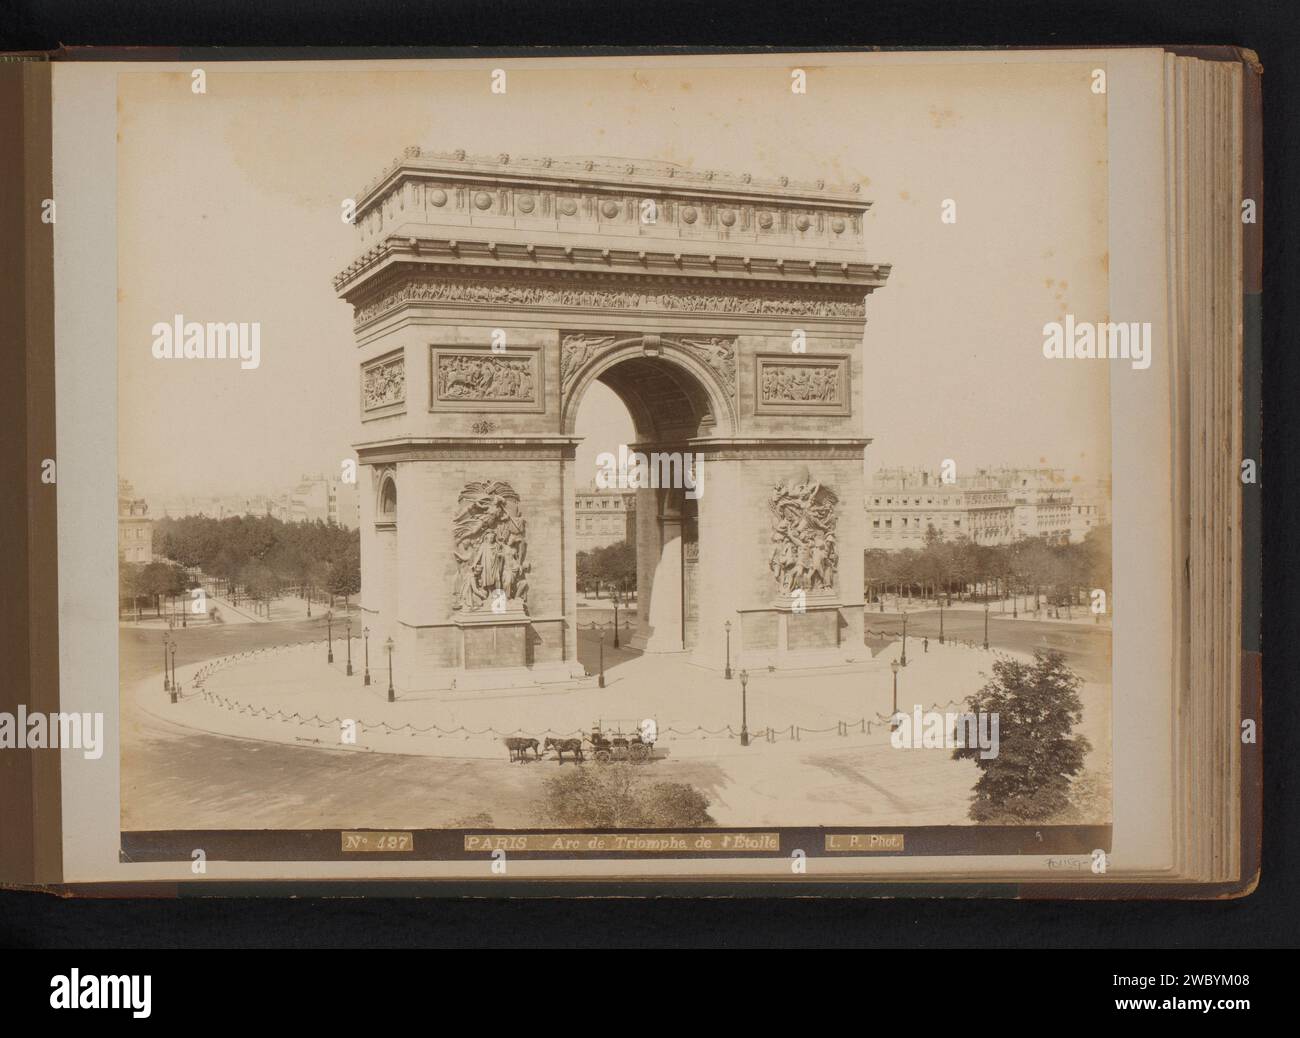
x=727 y=313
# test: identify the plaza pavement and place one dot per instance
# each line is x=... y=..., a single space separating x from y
x=999 y=609
x=814 y=770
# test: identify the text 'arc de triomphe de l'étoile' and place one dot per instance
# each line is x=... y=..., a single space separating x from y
x=725 y=312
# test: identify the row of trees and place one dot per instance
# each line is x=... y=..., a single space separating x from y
x=613 y=566
x=961 y=568
x=151 y=583
x=260 y=556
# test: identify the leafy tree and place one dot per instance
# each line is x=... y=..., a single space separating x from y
x=964 y=566
x=614 y=797
x=157 y=580
x=875 y=568
x=1095 y=557
x=130 y=582
x=294 y=552
x=615 y=564
x=1067 y=571
x=320 y=578
x=345 y=575
x=668 y=805
x=260 y=583
x=1037 y=706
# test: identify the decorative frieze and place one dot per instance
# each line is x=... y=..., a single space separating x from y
x=801 y=385
x=470 y=292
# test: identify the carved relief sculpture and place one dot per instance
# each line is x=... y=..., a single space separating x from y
x=804 y=555
x=383 y=384
x=491 y=549
x=718 y=353
x=576 y=350
x=462 y=377
x=464 y=291
x=802 y=384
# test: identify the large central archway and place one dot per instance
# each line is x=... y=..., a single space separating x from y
x=675 y=402
x=725 y=313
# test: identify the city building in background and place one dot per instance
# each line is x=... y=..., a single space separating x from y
x=134 y=525
x=216 y=506
x=1089 y=507
x=605 y=517
x=993 y=506
x=313 y=498
x=903 y=504
x=319 y=498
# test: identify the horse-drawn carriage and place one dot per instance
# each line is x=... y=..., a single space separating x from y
x=613 y=743
x=629 y=741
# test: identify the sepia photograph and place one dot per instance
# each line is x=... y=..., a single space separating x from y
x=665 y=452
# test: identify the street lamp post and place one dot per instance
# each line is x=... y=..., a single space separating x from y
x=986 y=624
x=167 y=677
x=903 y=661
x=893 y=718
x=365 y=631
x=941 y=621
x=600 y=681
x=616 y=597
x=329 y=634
x=173 y=652
x=727 y=672
x=744 y=708
x=349 y=632
x=389 y=646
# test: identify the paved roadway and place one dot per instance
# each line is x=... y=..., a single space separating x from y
x=1085 y=645
x=178 y=778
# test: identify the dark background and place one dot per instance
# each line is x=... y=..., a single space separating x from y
x=1266 y=919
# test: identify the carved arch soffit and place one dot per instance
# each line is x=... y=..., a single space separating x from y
x=711 y=358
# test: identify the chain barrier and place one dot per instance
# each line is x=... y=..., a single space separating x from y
x=792 y=733
x=897 y=636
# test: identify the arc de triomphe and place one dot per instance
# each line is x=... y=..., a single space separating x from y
x=725 y=312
